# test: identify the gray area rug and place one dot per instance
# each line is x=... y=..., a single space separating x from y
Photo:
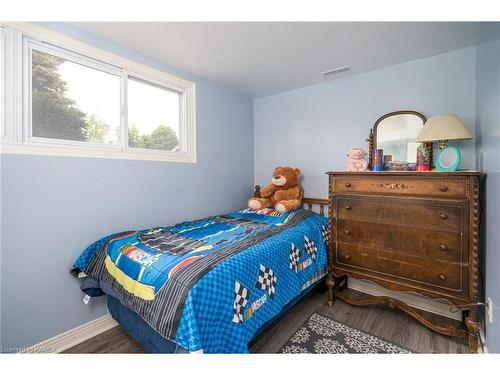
x=323 y=335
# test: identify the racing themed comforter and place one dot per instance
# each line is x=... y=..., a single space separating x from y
x=210 y=284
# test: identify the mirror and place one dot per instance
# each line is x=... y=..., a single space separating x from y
x=395 y=134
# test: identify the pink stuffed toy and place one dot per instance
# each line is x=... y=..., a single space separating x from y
x=356 y=161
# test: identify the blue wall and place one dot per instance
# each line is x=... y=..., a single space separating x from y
x=313 y=127
x=53 y=207
x=488 y=160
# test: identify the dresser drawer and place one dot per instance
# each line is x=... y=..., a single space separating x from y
x=440 y=245
x=425 y=214
x=445 y=275
x=397 y=185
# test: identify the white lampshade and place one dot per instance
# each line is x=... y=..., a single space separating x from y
x=444 y=127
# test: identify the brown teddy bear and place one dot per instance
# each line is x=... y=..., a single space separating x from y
x=284 y=193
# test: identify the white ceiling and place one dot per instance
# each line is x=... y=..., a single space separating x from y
x=260 y=59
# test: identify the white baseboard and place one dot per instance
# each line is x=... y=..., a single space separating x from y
x=413 y=300
x=68 y=339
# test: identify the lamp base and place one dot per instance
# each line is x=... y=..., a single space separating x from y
x=442 y=144
x=449 y=159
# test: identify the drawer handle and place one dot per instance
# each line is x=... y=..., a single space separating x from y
x=443 y=216
x=442 y=276
x=347 y=257
x=347 y=231
x=347 y=207
x=443 y=247
x=348 y=185
x=443 y=188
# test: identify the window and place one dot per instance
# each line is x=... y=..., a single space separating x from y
x=153 y=116
x=85 y=102
x=72 y=101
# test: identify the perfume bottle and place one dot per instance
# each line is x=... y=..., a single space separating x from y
x=378 y=160
x=423 y=159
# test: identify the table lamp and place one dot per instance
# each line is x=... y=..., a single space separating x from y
x=443 y=128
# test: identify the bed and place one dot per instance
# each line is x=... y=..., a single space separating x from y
x=209 y=285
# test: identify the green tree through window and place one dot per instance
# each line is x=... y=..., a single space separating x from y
x=134 y=137
x=162 y=138
x=54 y=114
x=96 y=131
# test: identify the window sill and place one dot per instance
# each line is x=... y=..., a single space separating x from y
x=64 y=151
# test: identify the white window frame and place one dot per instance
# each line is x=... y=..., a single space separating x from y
x=12 y=89
x=3 y=60
x=22 y=38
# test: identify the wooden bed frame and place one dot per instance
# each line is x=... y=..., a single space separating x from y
x=309 y=202
x=316 y=201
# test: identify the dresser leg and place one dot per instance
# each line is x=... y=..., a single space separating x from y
x=330 y=283
x=473 y=328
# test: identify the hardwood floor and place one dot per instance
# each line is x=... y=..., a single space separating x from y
x=388 y=324
x=391 y=325
x=115 y=340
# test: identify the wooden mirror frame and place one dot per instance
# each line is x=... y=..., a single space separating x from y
x=372 y=137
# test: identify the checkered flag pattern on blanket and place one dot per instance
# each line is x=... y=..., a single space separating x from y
x=310 y=247
x=240 y=300
x=326 y=234
x=266 y=280
x=294 y=258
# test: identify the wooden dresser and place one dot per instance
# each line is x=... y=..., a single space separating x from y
x=409 y=231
